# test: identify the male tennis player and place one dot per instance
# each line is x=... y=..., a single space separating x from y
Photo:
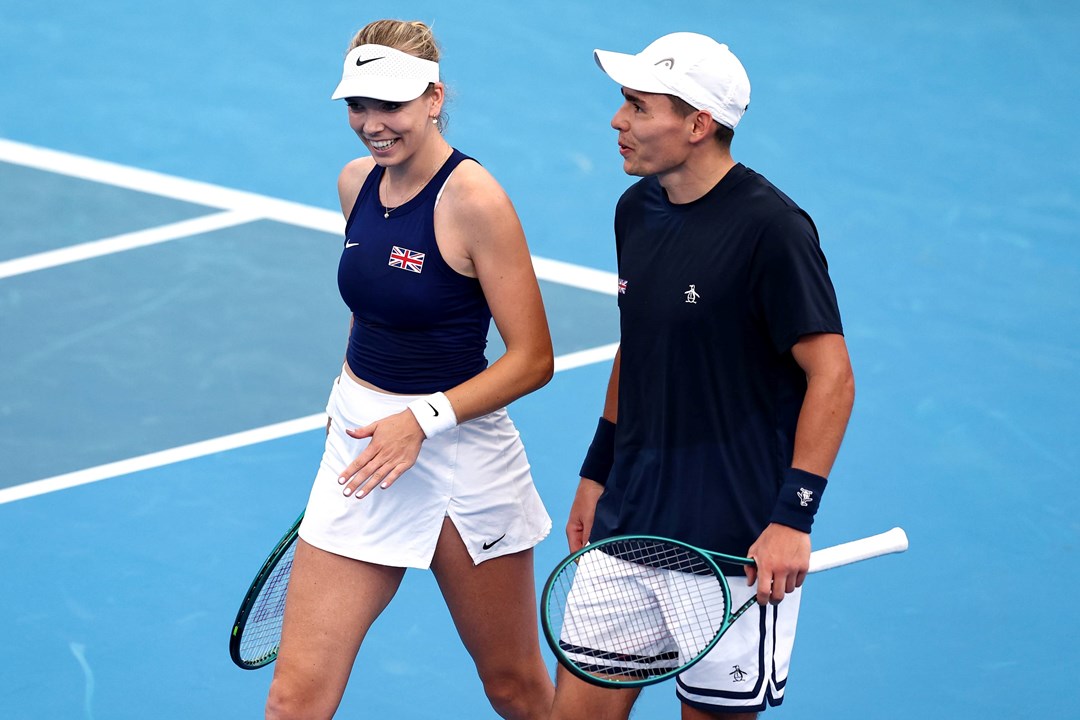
x=732 y=388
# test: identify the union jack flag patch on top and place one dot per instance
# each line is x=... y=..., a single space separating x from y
x=406 y=259
x=622 y=286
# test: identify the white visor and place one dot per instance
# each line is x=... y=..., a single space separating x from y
x=384 y=73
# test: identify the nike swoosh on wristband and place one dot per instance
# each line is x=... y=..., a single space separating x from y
x=493 y=543
x=360 y=62
x=437 y=415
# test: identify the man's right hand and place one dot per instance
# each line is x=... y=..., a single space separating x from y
x=579 y=525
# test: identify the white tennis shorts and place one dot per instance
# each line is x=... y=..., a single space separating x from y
x=476 y=474
x=744 y=671
x=749 y=666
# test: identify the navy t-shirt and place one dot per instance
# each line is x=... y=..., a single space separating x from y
x=712 y=296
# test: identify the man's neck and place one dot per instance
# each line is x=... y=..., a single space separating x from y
x=697 y=176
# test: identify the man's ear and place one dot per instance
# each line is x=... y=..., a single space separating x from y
x=702 y=127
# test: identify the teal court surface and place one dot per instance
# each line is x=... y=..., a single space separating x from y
x=170 y=326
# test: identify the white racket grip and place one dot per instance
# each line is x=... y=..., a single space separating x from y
x=892 y=541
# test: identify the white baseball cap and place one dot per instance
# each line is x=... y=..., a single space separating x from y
x=689 y=66
x=385 y=73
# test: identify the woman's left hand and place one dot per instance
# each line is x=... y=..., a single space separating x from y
x=395 y=444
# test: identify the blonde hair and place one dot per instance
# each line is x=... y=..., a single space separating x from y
x=413 y=37
x=408 y=36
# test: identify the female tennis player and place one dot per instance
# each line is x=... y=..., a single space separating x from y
x=422 y=467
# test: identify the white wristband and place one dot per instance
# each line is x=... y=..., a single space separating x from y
x=434 y=413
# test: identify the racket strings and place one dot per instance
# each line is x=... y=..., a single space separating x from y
x=637 y=609
x=262 y=630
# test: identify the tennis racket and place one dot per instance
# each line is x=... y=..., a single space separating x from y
x=256 y=634
x=631 y=611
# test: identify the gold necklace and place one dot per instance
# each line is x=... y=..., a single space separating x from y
x=438 y=166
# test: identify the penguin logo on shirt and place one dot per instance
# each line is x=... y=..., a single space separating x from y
x=692 y=295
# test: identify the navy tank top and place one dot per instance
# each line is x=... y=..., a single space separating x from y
x=419 y=326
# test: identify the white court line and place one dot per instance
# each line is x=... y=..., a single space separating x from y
x=240 y=207
x=215 y=196
x=229 y=442
x=163 y=457
x=581 y=358
x=565 y=273
x=191 y=191
x=127 y=241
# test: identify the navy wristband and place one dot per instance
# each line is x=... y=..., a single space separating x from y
x=601 y=454
x=798 y=500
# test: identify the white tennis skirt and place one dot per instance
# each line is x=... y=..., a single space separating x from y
x=476 y=474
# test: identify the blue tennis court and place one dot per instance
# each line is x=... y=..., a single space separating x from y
x=170 y=325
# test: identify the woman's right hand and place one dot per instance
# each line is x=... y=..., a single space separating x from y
x=394 y=447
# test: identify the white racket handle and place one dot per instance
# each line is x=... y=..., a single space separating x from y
x=893 y=541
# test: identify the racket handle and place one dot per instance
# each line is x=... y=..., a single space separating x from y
x=893 y=541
